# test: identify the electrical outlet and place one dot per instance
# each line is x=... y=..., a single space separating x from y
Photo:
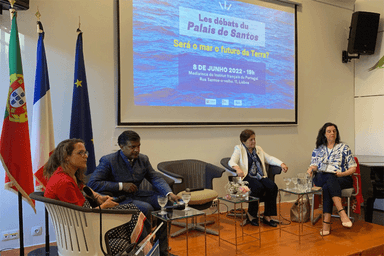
x=14 y=234
x=9 y=235
x=36 y=231
x=4 y=236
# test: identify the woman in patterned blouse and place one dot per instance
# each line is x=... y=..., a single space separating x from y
x=333 y=165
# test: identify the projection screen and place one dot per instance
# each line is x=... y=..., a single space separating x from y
x=206 y=63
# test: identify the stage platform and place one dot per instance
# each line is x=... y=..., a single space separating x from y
x=362 y=239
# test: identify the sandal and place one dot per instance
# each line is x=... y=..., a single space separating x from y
x=347 y=224
x=325 y=233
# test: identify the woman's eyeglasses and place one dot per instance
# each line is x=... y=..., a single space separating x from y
x=83 y=153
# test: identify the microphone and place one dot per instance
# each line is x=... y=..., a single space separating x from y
x=88 y=191
x=93 y=202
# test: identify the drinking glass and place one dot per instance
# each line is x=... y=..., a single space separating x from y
x=309 y=182
x=302 y=181
x=301 y=184
x=186 y=196
x=294 y=181
x=162 y=200
x=287 y=181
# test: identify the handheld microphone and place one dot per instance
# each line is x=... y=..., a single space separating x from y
x=88 y=191
x=92 y=201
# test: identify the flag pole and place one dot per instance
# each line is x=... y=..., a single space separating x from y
x=20 y=197
x=81 y=124
x=47 y=250
x=15 y=150
x=21 y=226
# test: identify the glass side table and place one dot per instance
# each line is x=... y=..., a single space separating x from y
x=300 y=196
x=178 y=215
x=235 y=202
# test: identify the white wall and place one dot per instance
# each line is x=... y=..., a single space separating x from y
x=369 y=91
x=325 y=92
x=369 y=94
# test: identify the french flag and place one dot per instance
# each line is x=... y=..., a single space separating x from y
x=42 y=139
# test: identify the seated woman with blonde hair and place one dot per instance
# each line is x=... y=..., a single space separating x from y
x=65 y=174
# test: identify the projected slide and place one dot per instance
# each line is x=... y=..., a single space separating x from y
x=212 y=54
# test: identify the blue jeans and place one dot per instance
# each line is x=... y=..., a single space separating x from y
x=332 y=186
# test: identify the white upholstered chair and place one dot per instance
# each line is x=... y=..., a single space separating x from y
x=78 y=228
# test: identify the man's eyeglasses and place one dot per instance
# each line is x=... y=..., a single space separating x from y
x=83 y=153
x=132 y=147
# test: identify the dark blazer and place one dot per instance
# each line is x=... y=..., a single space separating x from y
x=113 y=168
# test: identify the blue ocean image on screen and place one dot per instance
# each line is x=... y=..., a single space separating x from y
x=167 y=73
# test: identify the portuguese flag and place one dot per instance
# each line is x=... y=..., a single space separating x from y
x=15 y=149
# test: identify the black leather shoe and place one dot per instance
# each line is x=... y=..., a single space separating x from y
x=275 y=221
x=270 y=223
x=254 y=222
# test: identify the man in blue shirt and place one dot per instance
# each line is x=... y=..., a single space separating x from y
x=122 y=172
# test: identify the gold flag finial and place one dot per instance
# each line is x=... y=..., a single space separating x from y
x=12 y=11
x=37 y=14
x=12 y=2
x=39 y=25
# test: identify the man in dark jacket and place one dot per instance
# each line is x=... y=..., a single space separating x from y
x=122 y=172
